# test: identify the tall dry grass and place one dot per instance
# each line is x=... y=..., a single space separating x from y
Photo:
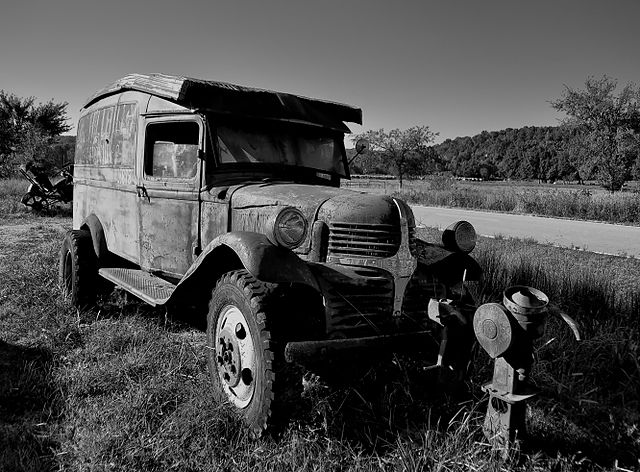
x=575 y=204
x=11 y=191
x=123 y=388
x=587 y=203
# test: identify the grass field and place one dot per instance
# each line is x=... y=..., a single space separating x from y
x=585 y=202
x=123 y=387
x=11 y=190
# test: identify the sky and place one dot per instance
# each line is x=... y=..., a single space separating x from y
x=459 y=67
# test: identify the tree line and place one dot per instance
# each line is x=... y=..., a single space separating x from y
x=599 y=139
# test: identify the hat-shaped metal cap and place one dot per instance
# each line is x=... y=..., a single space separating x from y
x=525 y=300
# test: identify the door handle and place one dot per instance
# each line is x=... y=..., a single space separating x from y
x=141 y=191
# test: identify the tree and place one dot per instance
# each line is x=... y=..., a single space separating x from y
x=607 y=124
x=400 y=149
x=28 y=131
x=487 y=170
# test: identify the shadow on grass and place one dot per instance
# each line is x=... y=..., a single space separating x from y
x=373 y=409
x=60 y=209
x=402 y=401
x=27 y=405
x=585 y=434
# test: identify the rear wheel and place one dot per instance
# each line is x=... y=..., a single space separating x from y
x=245 y=351
x=78 y=268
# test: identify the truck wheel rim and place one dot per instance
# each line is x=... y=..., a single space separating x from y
x=235 y=356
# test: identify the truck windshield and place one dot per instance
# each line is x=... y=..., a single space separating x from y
x=290 y=148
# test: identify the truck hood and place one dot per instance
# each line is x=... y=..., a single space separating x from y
x=253 y=204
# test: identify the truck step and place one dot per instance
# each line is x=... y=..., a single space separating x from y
x=153 y=290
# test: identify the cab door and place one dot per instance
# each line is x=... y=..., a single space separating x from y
x=169 y=193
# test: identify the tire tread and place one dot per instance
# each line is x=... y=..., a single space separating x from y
x=262 y=298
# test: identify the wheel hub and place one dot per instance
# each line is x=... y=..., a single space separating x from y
x=229 y=358
x=235 y=356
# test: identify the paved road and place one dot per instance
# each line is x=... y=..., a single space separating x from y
x=596 y=237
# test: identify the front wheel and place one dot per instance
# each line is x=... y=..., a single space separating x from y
x=245 y=352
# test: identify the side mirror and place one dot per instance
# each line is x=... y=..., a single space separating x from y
x=362 y=145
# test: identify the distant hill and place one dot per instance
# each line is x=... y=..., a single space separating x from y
x=532 y=152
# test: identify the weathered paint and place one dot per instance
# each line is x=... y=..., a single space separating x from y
x=119 y=218
x=254 y=205
x=155 y=228
x=168 y=229
x=169 y=211
x=175 y=224
x=259 y=256
x=220 y=97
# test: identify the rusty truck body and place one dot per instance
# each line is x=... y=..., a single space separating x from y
x=226 y=198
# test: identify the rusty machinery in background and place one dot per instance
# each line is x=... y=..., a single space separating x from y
x=44 y=191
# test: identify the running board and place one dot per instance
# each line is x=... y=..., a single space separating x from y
x=153 y=290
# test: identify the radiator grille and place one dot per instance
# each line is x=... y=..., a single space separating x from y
x=363 y=240
x=360 y=306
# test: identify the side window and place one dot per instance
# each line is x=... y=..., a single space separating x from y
x=104 y=127
x=83 y=149
x=123 y=144
x=171 y=150
x=94 y=138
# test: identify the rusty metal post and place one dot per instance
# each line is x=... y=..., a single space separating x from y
x=506 y=332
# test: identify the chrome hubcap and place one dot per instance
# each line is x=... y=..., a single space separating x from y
x=235 y=356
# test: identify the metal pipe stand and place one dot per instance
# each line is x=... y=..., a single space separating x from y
x=506 y=332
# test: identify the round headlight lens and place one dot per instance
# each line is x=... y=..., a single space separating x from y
x=290 y=228
x=460 y=236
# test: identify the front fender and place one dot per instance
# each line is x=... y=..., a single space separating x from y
x=262 y=259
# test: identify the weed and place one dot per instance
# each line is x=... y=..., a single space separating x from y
x=118 y=388
x=583 y=204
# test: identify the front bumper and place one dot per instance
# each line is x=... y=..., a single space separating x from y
x=309 y=352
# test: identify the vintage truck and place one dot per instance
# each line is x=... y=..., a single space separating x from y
x=227 y=200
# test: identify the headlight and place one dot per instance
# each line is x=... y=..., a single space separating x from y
x=289 y=228
x=460 y=236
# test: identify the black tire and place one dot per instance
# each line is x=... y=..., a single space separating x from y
x=257 y=387
x=37 y=206
x=35 y=202
x=78 y=269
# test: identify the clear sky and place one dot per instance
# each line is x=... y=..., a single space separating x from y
x=459 y=67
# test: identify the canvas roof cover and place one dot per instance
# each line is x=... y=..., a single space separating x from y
x=225 y=98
